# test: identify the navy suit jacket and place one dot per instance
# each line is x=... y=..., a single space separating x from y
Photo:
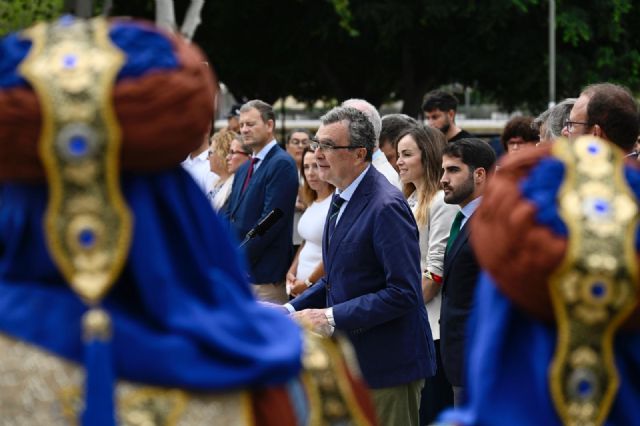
x=460 y=275
x=273 y=185
x=372 y=280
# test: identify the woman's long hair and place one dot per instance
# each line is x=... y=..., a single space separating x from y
x=431 y=143
x=307 y=194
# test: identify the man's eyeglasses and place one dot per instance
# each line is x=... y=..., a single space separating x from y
x=570 y=125
x=315 y=145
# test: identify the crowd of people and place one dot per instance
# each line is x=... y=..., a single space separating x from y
x=375 y=241
x=428 y=280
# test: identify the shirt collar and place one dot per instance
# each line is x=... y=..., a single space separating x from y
x=349 y=190
x=262 y=154
x=470 y=208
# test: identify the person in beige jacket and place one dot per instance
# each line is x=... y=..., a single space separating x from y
x=420 y=165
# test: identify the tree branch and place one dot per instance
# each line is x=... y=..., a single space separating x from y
x=192 y=19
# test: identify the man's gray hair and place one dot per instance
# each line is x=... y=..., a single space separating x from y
x=554 y=118
x=370 y=111
x=358 y=125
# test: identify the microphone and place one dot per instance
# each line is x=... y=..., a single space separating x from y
x=263 y=226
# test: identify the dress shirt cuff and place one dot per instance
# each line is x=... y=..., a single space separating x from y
x=329 y=314
x=289 y=307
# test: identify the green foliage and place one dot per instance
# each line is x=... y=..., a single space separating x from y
x=344 y=12
x=574 y=25
x=399 y=49
x=17 y=14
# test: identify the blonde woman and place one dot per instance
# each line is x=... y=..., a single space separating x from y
x=420 y=164
x=218 y=193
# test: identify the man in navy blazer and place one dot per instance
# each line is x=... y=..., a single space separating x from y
x=467 y=164
x=267 y=182
x=371 y=288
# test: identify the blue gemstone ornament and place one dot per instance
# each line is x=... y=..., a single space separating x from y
x=69 y=61
x=78 y=146
x=598 y=290
x=66 y=20
x=584 y=388
x=601 y=206
x=87 y=238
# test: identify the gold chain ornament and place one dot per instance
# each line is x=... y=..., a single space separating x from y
x=594 y=289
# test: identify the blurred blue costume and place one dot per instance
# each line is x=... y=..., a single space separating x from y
x=173 y=309
x=535 y=361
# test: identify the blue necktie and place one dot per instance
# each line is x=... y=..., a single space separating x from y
x=336 y=203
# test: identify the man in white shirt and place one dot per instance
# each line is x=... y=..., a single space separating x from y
x=197 y=164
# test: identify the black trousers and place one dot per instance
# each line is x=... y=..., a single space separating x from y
x=436 y=394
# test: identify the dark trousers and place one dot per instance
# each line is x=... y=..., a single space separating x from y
x=437 y=393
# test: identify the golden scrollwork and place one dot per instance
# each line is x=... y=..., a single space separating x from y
x=325 y=378
x=72 y=67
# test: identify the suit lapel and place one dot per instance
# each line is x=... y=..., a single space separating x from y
x=463 y=236
x=352 y=211
x=256 y=175
x=238 y=182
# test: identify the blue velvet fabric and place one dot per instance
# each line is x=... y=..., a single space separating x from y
x=99 y=404
x=182 y=310
x=541 y=188
x=146 y=50
x=509 y=353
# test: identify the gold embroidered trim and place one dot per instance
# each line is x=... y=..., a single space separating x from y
x=331 y=397
x=39 y=388
x=72 y=67
x=594 y=289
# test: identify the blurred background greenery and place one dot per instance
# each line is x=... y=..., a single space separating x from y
x=489 y=52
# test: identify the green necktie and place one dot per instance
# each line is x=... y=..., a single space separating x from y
x=455 y=229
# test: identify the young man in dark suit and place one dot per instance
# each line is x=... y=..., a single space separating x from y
x=371 y=289
x=267 y=182
x=467 y=164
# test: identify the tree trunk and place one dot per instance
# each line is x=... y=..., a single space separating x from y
x=165 y=15
x=69 y=6
x=192 y=19
x=79 y=8
x=108 y=5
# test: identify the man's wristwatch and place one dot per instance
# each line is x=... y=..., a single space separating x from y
x=308 y=283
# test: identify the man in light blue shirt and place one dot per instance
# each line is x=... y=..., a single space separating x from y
x=371 y=291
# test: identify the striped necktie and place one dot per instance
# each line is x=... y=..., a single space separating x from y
x=336 y=203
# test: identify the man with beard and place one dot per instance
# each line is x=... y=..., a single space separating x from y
x=467 y=164
x=439 y=109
